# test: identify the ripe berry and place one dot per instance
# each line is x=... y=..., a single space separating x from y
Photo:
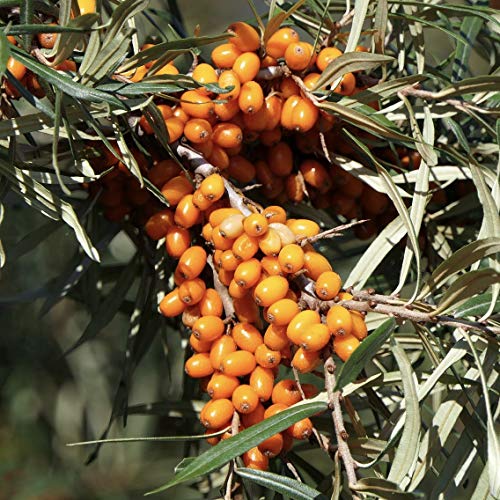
x=282 y=312
x=186 y=212
x=247 y=66
x=304 y=116
x=339 y=320
x=212 y=187
x=217 y=413
x=274 y=409
x=270 y=290
x=315 y=337
x=198 y=365
x=200 y=202
x=261 y=381
x=301 y=429
x=227 y=135
x=359 y=329
x=280 y=40
x=316 y=175
x=171 y=305
x=245 y=399
x=197 y=105
x=280 y=159
x=247 y=274
x=291 y=258
x=232 y=226
x=198 y=130
x=203 y=74
x=303 y=228
x=192 y=262
x=328 y=285
x=229 y=79
x=158 y=224
x=326 y=56
x=266 y=357
x=162 y=172
x=199 y=345
x=208 y=328
x=222 y=386
x=298 y=56
x=238 y=364
x=345 y=345
x=177 y=241
x=220 y=348
x=246 y=37
x=272 y=446
x=192 y=291
x=175 y=129
x=236 y=291
x=275 y=337
x=241 y=169
x=286 y=392
x=270 y=243
x=245 y=247
x=246 y=336
x=305 y=361
x=246 y=310
x=221 y=214
x=47 y=40
x=251 y=97
x=176 y=188
x=224 y=55
x=228 y=261
x=249 y=419
x=274 y=213
x=255 y=459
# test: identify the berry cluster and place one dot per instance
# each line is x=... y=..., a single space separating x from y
x=272 y=304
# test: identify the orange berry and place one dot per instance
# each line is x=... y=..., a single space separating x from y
x=217 y=413
x=168 y=69
x=286 y=392
x=220 y=348
x=274 y=213
x=186 y=212
x=345 y=345
x=291 y=258
x=229 y=79
x=181 y=114
x=198 y=345
x=238 y=364
x=251 y=97
x=305 y=361
x=222 y=386
x=282 y=312
x=328 y=285
x=268 y=61
x=227 y=135
x=315 y=264
x=272 y=107
x=359 y=329
x=249 y=419
x=192 y=291
x=339 y=320
x=245 y=399
x=165 y=111
x=171 y=305
x=272 y=446
x=241 y=169
x=246 y=66
x=198 y=365
x=286 y=117
x=197 y=105
x=288 y=88
x=177 y=241
x=212 y=441
x=176 y=188
x=212 y=187
x=270 y=137
x=261 y=381
x=347 y=85
x=270 y=245
x=315 y=337
x=276 y=338
x=280 y=159
x=305 y=114
x=228 y=261
x=224 y=55
x=245 y=247
x=316 y=175
x=203 y=74
x=232 y=226
x=158 y=224
x=175 y=128
x=294 y=186
x=301 y=429
x=198 y=130
x=246 y=336
x=298 y=56
x=274 y=409
x=255 y=459
x=267 y=358
x=280 y=40
x=301 y=323
x=326 y=56
x=200 y=202
x=270 y=290
x=17 y=69
x=162 y=172
x=208 y=328
x=246 y=37
x=255 y=225
x=303 y=228
x=247 y=274
x=220 y=241
x=310 y=80
x=192 y=262
x=236 y=291
x=219 y=157
x=47 y=40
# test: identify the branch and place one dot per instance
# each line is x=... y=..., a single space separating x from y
x=331 y=233
x=227 y=301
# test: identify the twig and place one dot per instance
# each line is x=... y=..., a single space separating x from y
x=338 y=422
x=227 y=301
x=235 y=426
x=331 y=233
x=291 y=467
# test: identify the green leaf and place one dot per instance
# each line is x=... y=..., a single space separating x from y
x=407 y=450
x=349 y=62
x=366 y=351
x=469 y=29
x=465 y=286
x=382 y=488
x=380 y=25
x=459 y=260
x=360 y=10
x=4 y=53
x=286 y=486
x=477 y=306
x=274 y=24
x=470 y=86
x=231 y=448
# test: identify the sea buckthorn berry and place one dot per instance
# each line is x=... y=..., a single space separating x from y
x=345 y=296
x=158 y=224
x=298 y=56
x=344 y=346
x=247 y=274
x=245 y=399
x=167 y=69
x=197 y=105
x=286 y=392
x=270 y=244
x=315 y=264
x=86 y=6
x=198 y=130
x=192 y=262
x=272 y=446
x=274 y=409
x=192 y=291
x=222 y=386
x=294 y=186
x=241 y=169
x=199 y=345
x=208 y=328
x=304 y=116
x=255 y=459
x=190 y=315
x=268 y=61
x=246 y=310
x=274 y=213
x=203 y=74
x=251 y=97
x=236 y=291
x=246 y=37
x=301 y=323
x=286 y=117
x=212 y=441
x=227 y=135
x=187 y=214
x=315 y=337
x=246 y=336
x=200 y=202
x=238 y=364
x=198 y=365
x=219 y=157
x=212 y=187
x=162 y=172
x=175 y=129
x=225 y=277
x=178 y=112
x=326 y=56
x=221 y=214
x=178 y=279
x=270 y=290
x=176 y=188
x=280 y=40
x=245 y=247
x=301 y=429
x=219 y=240
x=267 y=358
x=228 y=79
x=217 y=413
x=17 y=69
x=232 y=226
x=261 y=381
x=282 y=312
x=47 y=40
x=339 y=320
x=289 y=88
x=171 y=305
x=328 y=285
x=310 y=80
x=177 y=241
x=228 y=261
x=224 y=55
x=303 y=228
x=247 y=66
x=255 y=225
x=316 y=175
x=347 y=85
x=270 y=137
x=291 y=258
x=359 y=329
x=220 y=348
x=249 y=419
x=305 y=361
x=280 y=159
x=275 y=337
